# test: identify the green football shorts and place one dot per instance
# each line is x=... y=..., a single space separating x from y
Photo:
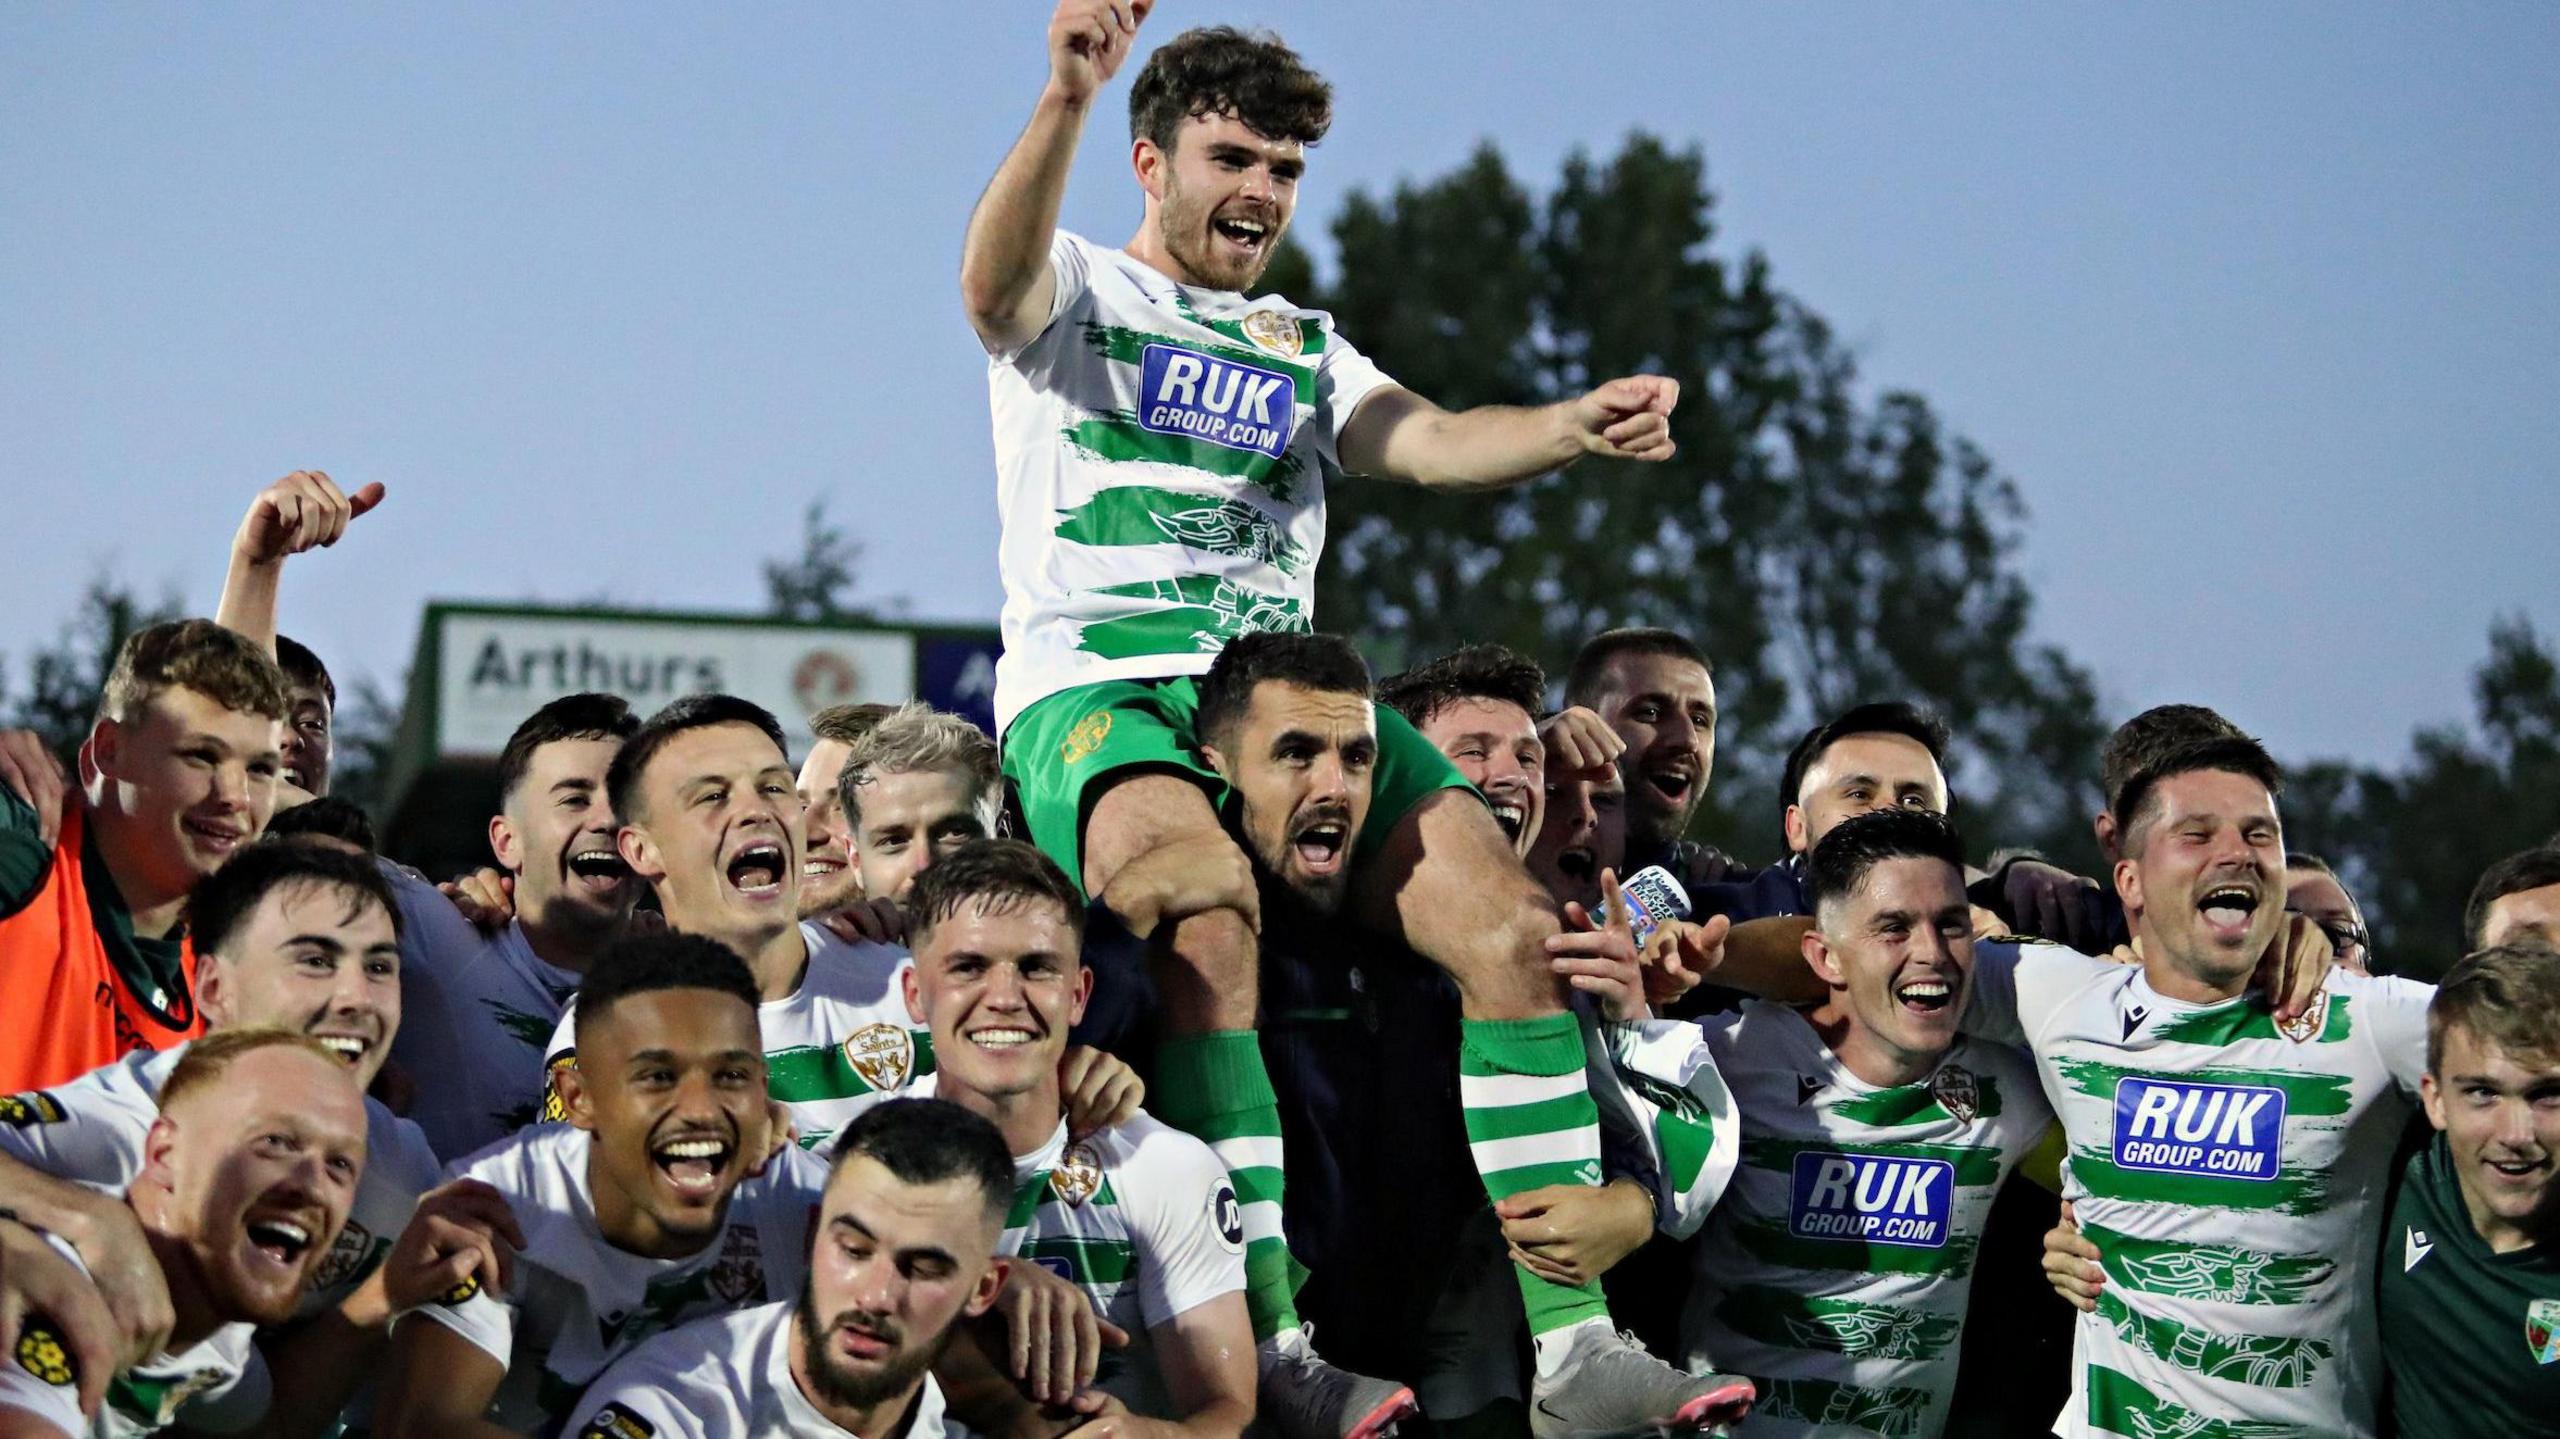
x=1062 y=752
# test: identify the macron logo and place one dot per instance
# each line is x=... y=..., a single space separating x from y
x=2415 y=1246
x=1225 y=402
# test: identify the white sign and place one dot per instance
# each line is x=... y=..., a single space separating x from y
x=493 y=670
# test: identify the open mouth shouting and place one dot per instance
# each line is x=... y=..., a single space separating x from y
x=1321 y=843
x=757 y=869
x=2227 y=909
x=1673 y=778
x=693 y=1163
x=279 y=1242
x=1510 y=813
x=599 y=871
x=1578 y=862
x=1246 y=235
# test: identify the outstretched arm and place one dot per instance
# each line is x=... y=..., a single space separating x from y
x=304 y=510
x=1398 y=435
x=1005 y=279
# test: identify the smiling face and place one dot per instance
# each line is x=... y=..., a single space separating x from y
x=910 y=820
x=1861 y=772
x=2203 y=877
x=999 y=981
x=2500 y=1113
x=316 y=959
x=1664 y=707
x=1220 y=201
x=1897 y=952
x=1495 y=744
x=896 y=1265
x=671 y=1083
x=828 y=879
x=253 y=1174
x=556 y=836
x=1301 y=762
x=718 y=835
x=2317 y=896
x=183 y=783
x=1583 y=831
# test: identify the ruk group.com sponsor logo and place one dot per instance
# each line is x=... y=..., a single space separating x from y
x=2221 y=1131
x=1872 y=1199
x=1215 y=399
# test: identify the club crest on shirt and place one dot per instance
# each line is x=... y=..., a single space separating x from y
x=2542 y=1330
x=345 y=1258
x=2306 y=1027
x=42 y=1353
x=171 y=1399
x=33 y=1107
x=1957 y=1092
x=1077 y=1175
x=883 y=1054
x=1086 y=737
x=737 y=1276
x=555 y=1101
x=614 y=1421
x=1275 y=332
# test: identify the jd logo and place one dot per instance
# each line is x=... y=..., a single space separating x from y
x=1238 y=406
x=2227 y=1131
x=1877 y=1199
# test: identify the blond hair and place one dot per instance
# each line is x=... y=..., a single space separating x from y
x=919 y=737
x=207 y=1059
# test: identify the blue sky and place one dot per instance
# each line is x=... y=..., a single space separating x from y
x=2257 y=303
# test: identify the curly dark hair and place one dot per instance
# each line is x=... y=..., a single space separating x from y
x=1490 y=672
x=1221 y=70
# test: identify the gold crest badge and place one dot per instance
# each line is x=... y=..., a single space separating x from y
x=1086 y=737
x=33 y=1107
x=346 y=1257
x=1078 y=1174
x=614 y=1421
x=883 y=1054
x=41 y=1352
x=1275 y=332
x=555 y=1104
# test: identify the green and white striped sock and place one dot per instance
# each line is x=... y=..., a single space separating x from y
x=1531 y=1123
x=1214 y=1088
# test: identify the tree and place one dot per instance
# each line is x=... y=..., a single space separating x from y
x=815 y=584
x=2411 y=842
x=64 y=678
x=1824 y=549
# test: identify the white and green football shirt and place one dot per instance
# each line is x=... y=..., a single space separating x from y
x=1161 y=459
x=1143 y=1218
x=840 y=1041
x=217 y=1385
x=2232 y=1176
x=1835 y=1272
x=91 y=1131
x=579 y=1303
x=726 y=1377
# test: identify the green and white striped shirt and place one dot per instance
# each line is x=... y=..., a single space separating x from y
x=2233 y=1177
x=1142 y=1218
x=843 y=1040
x=1836 y=1270
x=1161 y=459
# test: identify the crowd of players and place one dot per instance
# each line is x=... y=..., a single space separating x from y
x=1075 y=1084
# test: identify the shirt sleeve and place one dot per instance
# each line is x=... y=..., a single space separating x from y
x=24 y=858
x=1071 y=265
x=2398 y=1024
x=2018 y=985
x=236 y=1404
x=1191 y=1245
x=83 y=1131
x=488 y=1323
x=1690 y=1129
x=1344 y=378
